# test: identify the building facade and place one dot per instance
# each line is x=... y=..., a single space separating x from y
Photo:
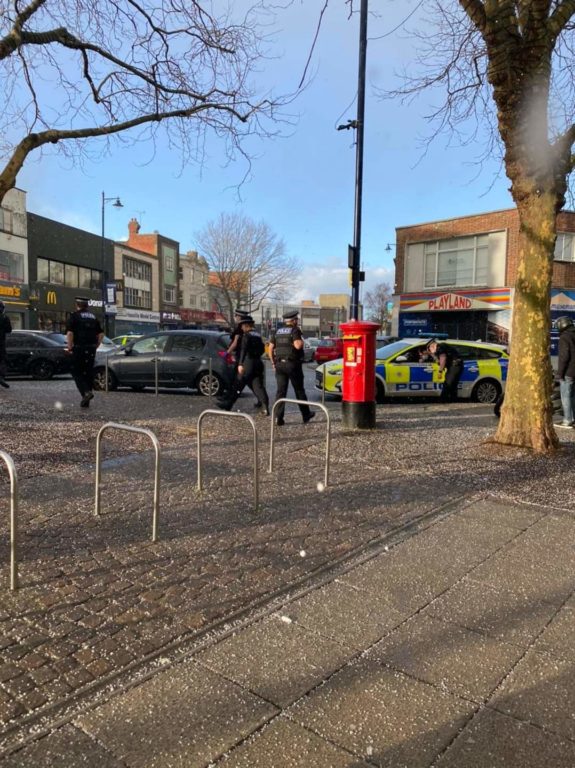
x=455 y=276
x=167 y=252
x=14 y=279
x=138 y=304
x=64 y=262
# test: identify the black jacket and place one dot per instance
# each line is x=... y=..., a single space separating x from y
x=566 y=363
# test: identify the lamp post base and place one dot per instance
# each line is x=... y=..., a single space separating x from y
x=358 y=415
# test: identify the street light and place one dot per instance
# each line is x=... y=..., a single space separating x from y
x=117 y=204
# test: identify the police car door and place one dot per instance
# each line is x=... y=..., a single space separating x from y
x=408 y=376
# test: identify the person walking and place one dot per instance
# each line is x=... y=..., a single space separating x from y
x=5 y=329
x=234 y=349
x=566 y=370
x=83 y=333
x=452 y=364
x=250 y=368
x=286 y=354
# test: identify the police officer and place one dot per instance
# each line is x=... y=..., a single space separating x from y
x=250 y=367
x=566 y=369
x=452 y=364
x=234 y=349
x=83 y=333
x=286 y=353
x=5 y=328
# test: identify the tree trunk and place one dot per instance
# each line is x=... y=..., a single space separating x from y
x=526 y=418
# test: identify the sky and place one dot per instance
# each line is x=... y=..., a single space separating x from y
x=301 y=185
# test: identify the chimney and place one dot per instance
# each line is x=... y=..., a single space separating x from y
x=133 y=228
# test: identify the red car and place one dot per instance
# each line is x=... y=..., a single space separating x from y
x=329 y=349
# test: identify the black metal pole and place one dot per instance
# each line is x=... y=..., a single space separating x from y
x=356 y=260
x=103 y=273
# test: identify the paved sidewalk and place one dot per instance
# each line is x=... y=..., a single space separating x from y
x=450 y=647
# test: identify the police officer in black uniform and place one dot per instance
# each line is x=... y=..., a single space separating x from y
x=83 y=333
x=286 y=353
x=5 y=328
x=250 y=368
x=450 y=362
x=234 y=349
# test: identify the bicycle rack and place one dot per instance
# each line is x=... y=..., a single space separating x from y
x=229 y=414
x=328 y=435
x=156 y=444
x=7 y=459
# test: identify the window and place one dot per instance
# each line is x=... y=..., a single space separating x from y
x=43 y=271
x=84 y=277
x=192 y=301
x=170 y=294
x=204 y=302
x=460 y=261
x=150 y=344
x=11 y=266
x=134 y=297
x=139 y=270
x=56 y=273
x=187 y=343
x=71 y=276
x=5 y=220
x=564 y=250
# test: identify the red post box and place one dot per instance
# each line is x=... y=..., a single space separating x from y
x=358 y=402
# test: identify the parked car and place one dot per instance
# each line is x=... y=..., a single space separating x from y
x=328 y=349
x=40 y=354
x=183 y=360
x=399 y=372
x=309 y=347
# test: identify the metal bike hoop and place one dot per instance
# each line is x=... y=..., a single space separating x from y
x=7 y=459
x=156 y=444
x=234 y=415
x=328 y=432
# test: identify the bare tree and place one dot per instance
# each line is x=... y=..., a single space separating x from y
x=250 y=261
x=511 y=63
x=76 y=69
x=375 y=301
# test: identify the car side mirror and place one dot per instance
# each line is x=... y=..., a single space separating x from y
x=401 y=359
x=127 y=350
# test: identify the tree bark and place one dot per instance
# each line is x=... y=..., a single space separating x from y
x=530 y=375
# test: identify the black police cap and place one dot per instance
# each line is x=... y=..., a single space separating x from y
x=241 y=312
x=247 y=319
x=290 y=315
x=82 y=300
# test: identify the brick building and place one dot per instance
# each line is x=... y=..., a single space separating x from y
x=456 y=276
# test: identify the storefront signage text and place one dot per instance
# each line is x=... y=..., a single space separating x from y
x=10 y=290
x=450 y=301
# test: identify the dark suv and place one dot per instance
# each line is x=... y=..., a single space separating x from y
x=183 y=360
x=40 y=354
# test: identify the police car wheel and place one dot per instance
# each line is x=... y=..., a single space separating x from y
x=486 y=392
x=42 y=370
x=100 y=380
x=207 y=385
x=379 y=392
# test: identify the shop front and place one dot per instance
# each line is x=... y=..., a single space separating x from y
x=201 y=318
x=52 y=305
x=16 y=301
x=170 y=321
x=461 y=314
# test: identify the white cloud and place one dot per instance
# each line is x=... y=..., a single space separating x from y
x=333 y=277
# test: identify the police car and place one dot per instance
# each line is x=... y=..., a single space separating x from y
x=399 y=372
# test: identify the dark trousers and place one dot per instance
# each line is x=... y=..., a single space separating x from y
x=452 y=376
x=3 y=364
x=83 y=368
x=290 y=371
x=254 y=377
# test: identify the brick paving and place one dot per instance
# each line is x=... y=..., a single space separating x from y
x=98 y=598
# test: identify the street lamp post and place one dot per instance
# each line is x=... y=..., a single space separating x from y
x=117 y=204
